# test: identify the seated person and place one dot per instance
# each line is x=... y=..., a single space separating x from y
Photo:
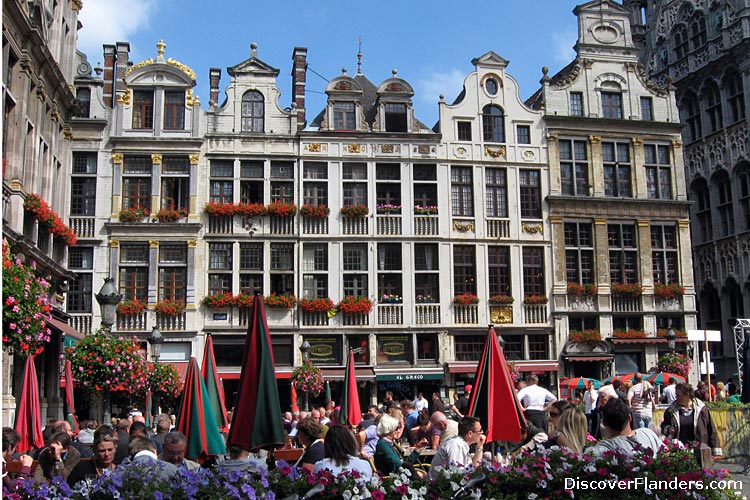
x=175 y=444
x=340 y=453
x=309 y=433
x=142 y=453
x=387 y=457
x=619 y=435
x=58 y=459
x=240 y=460
x=104 y=455
x=11 y=438
x=455 y=451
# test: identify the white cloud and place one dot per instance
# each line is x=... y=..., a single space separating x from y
x=564 y=41
x=110 y=21
x=435 y=82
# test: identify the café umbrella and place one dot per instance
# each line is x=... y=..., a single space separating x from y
x=350 y=411
x=662 y=378
x=579 y=383
x=493 y=398
x=29 y=412
x=213 y=385
x=196 y=419
x=257 y=421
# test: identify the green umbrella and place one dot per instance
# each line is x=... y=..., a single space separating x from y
x=196 y=419
x=328 y=396
x=213 y=385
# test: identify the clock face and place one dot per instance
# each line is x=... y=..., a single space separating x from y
x=490 y=86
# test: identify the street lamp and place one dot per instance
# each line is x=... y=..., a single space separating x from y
x=305 y=350
x=155 y=340
x=108 y=298
x=671 y=338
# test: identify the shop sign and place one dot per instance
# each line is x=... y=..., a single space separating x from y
x=325 y=350
x=393 y=348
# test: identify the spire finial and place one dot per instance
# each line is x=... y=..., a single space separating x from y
x=160 y=47
x=359 y=56
x=253 y=49
x=343 y=71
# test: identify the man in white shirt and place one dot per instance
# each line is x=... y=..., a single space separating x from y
x=640 y=399
x=456 y=449
x=421 y=403
x=670 y=395
x=589 y=401
x=536 y=401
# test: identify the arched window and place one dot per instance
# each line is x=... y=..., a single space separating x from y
x=725 y=207
x=83 y=94
x=735 y=96
x=698 y=36
x=493 y=124
x=700 y=193
x=712 y=95
x=252 y=111
x=691 y=112
x=743 y=176
x=680 y=42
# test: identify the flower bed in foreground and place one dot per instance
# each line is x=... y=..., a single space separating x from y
x=541 y=475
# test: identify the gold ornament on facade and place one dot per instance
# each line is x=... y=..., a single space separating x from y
x=139 y=65
x=118 y=158
x=185 y=69
x=192 y=243
x=532 y=228
x=124 y=98
x=677 y=144
x=495 y=153
x=114 y=243
x=463 y=228
x=595 y=139
x=153 y=243
x=189 y=100
x=461 y=151
x=423 y=149
x=194 y=159
x=637 y=141
x=529 y=155
x=156 y=159
x=354 y=148
x=314 y=147
x=386 y=148
x=160 y=46
x=76 y=4
x=501 y=315
x=68 y=132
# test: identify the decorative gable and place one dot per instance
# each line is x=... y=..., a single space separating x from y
x=490 y=60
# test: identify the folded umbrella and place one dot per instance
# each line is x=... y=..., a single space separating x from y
x=28 y=411
x=70 y=410
x=213 y=385
x=350 y=411
x=196 y=419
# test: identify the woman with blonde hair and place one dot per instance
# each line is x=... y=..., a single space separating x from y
x=572 y=428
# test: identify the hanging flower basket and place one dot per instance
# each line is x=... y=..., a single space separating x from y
x=465 y=299
x=322 y=304
x=250 y=209
x=282 y=301
x=219 y=301
x=588 y=290
x=630 y=333
x=388 y=209
x=675 y=363
x=668 y=291
x=25 y=308
x=355 y=305
x=308 y=378
x=627 y=290
x=281 y=209
x=425 y=210
x=171 y=214
x=535 y=299
x=130 y=307
x=135 y=214
x=163 y=380
x=219 y=209
x=501 y=299
x=354 y=210
x=44 y=214
x=319 y=211
x=170 y=307
x=590 y=336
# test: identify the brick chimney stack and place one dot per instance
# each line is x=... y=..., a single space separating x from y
x=214 y=75
x=123 y=54
x=299 y=79
x=109 y=73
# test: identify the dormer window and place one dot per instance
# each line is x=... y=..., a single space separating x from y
x=343 y=116
x=493 y=124
x=252 y=111
x=490 y=86
x=83 y=95
x=174 y=110
x=612 y=105
x=395 y=117
x=143 y=109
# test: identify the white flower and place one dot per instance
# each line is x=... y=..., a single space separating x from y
x=347 y=495
x=532 y=496
x=423 y=490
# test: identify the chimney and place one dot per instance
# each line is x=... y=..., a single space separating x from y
x=299 y=78
x=109 y=73
x=123 y=53
x=214 y=75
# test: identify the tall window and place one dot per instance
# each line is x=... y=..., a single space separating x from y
x=173 y=271
x=343 y=116
x=623 y=253
x=282 y=268
x=143 y=109
x=698 y=36
x=220 y=268
x=612 y=105
x=579 y=252
x=174 y=110
x=83 y=94
x=253 y=109
x=725 y=206
x=355 y=184
x=735 y=96
x=251 y=181
x=531 y=194
x=83 y=184
x=617 y=169
x=355 y=269
x=426 y=273
x=713 y=106
x=493 y=124
x=523 y=134
x=251 y=267
x=680 y=42
x=702 y=197
x=692 y=115
x=533 y=271
x=647 y=108
x=222 y=183
x=498 y=270
x=282 y=181
x=743 y=176
x=463 y=130
x=81 y=289
x=462 y=191
x=576 y=104
x=574 y=168
x=133 y=271
x=658 y=171
x=315 y=270
x=664 y=253
x=395 y=117
x=175 y=182
x=387 y=185
x=464 y=269
x=497 y=192
x=136 y=182
x=425 y=185
x=315 y=183
x=390 y=266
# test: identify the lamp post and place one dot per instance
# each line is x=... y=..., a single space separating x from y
x=305 y=350
x=108 y=298
x=155 y=340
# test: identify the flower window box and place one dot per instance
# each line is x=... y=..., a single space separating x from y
x=354 y=211
x=590 y=336
x=171 y=214
x=250 y=209
x=578 y=290
x=425 y=210
x=134 y=214
x=627 y=290
x=465 y=299
x=282 y=301
x=319 y=211
x=219 y=301
x=355 y=305
x=219 y=209
x=501 y=299
x=322 y=304
x=390 y=298
x=131 y=307
x=388 y=209
x=44 y=214
x=535 y=300
x=630 y=333
x=281 y=209
x=170 y=307
x=668 y=291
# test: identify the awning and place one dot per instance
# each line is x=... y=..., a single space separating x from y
x=647 y=340
x=536 y=366
x=71 y=335
x=589 y=358
x=361 y=373
x=236 y=375
x=462 y=367
x=410 y=373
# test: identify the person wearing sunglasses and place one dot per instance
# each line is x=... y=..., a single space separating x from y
x=456 y=450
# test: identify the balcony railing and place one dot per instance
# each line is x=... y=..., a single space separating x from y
x=84 y=227
x=584 y=303
x=674 y=304
x=355 y=319
x=389 y=225
x=426 y=225
x=220 y=224
x=132 y=322
x=626 y=304
x=169 y=322
x=465 y=314
x=82 y=323
x=282 y=225
x=314 y=225
x=427 y=314
x=355 y=225
x=498 y=228
x=390 y=314
x=314 y=318
x=534 y=313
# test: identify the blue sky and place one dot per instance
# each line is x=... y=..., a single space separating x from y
x=430 y=43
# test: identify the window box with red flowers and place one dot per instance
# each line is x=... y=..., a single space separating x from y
x=281 y=209
x=170 y=307
x=134 y=214
x=501 y=299
x=627 y=290
x=388 y=209
x=582 y=291
x=171 y=214
x=465 y=299
x=590 y=336
x=668 y=291
x=662 y=333
x=535 y=300
x=250 y=209
x=130 y=307
x=219 y=209
x=355 y=305
x=319 y=211
x=322 y=304
x=219 y=301
x=44 y=214
x=244 y=300
x=630 y=333
x=354 y=210
x=425 y=210
x=282 y=301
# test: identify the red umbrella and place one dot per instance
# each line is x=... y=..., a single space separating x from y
x=662 y=378
x=493 y=399
x=579 y=383
x=295 y=406
x=213 y=385
x=350 y=412
x=70 y=414
x=195 y=419
x=29 y=412
x=257 y=421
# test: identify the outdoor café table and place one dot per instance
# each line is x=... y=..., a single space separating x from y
x=425 y=454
